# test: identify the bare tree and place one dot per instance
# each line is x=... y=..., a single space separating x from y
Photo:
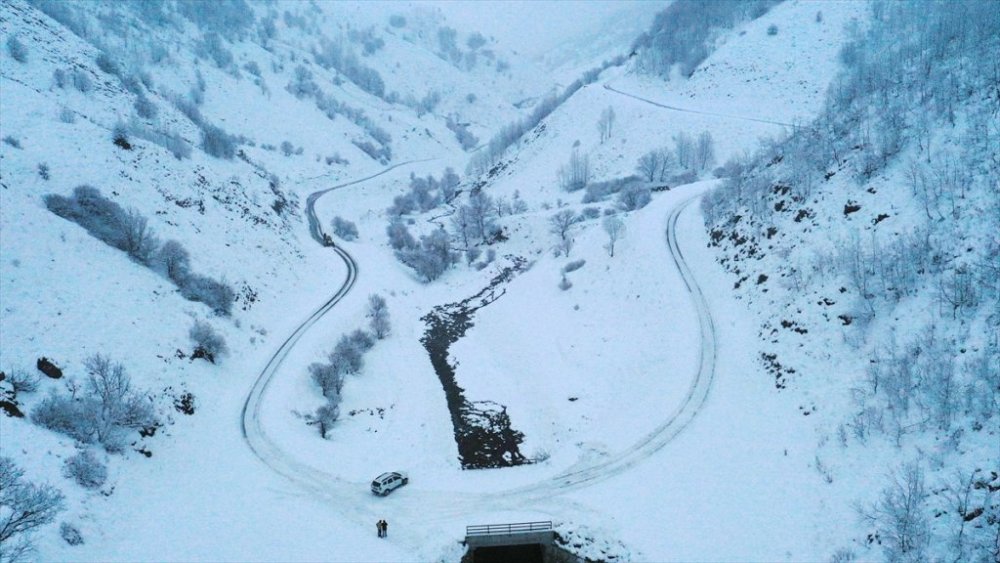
x=378 y=312
x=118 y=405
x=899 y=515
x=482 y=212
x=174 y=259
x=576 y=174
x=705 y=151
x=650 y=164
x=137 y=238
x=615 y=227
x=463 y=225
x=23 y=507
x=560 y=223
x=684 y=150
x=606 y=123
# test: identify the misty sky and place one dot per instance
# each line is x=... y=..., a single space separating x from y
x=534 y=26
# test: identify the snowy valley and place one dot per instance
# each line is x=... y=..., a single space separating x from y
x=691 y=280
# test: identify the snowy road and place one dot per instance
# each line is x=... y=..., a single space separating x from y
x=611 y=88
x=442 y=506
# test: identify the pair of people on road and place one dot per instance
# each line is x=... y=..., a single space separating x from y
x=382 y=527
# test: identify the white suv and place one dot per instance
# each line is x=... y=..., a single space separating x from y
x=388 y=482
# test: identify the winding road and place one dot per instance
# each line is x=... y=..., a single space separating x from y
x=439 y=505
x=611 y=88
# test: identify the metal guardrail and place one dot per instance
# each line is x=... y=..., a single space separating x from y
x=508 y=529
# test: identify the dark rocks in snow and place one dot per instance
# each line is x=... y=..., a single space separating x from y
x=8 y=398
x=185 y=404
x=851 y=207
x=48 y=368
x=200 y=352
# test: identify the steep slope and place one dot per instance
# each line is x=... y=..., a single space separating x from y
x=867 y=247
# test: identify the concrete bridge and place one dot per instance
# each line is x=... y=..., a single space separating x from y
x=525 y=542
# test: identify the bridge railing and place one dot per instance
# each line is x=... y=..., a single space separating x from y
x=508 y=529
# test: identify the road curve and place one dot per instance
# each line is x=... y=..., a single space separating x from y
x=253 y=433
x=699 y=112
x=438 y=504
x=683 y=414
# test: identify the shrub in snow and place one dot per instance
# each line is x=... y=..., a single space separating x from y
x=633 y=198
x=378 y=314
x=573 y=266
x=120 y=136
x=399 y=236
x=107 y=64
x=12 y=141
x=63 y=415
x=43 y=171
x=381 y=154
x=22 y=381
x=146 y=108
x=107 y=407
x=208 y=344
x=329 y=379
x=232 y=19
x=590 y=212
x=464 y=137
x=70 y=534
x=685 y=177
x=166 y=139
x=565 y=283
x=772 y=29
x=84 y=468
x=60 y=78
x=66 y=115
x=335 y=158
x=17 y=50
x=215 y=294
x=216 y=142
x=397 y=21
x=287 y=148
x=211 y=46
x=82 y=81
x=173 y=261
x=344 y=229
x=432 y=258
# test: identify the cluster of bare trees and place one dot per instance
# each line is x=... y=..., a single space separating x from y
x=687 y=154
x=490 y=155
x=103 y=410
x=575 y=175
x=681 y=35
x=346 y=358
x=606 y=123
x=129 y=231
x=915 y=274
x=24 y=507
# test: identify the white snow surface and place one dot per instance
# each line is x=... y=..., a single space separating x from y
x=586 y=373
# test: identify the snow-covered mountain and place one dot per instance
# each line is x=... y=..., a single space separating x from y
x=278 y=248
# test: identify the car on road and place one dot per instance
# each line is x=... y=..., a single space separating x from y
x=388 y=482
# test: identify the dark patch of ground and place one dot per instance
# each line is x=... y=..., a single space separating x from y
x=483 y=429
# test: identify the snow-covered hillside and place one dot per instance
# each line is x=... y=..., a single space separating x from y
x=282 y=282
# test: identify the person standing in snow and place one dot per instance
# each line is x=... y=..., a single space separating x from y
x=378 y=528
x=385 y=528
